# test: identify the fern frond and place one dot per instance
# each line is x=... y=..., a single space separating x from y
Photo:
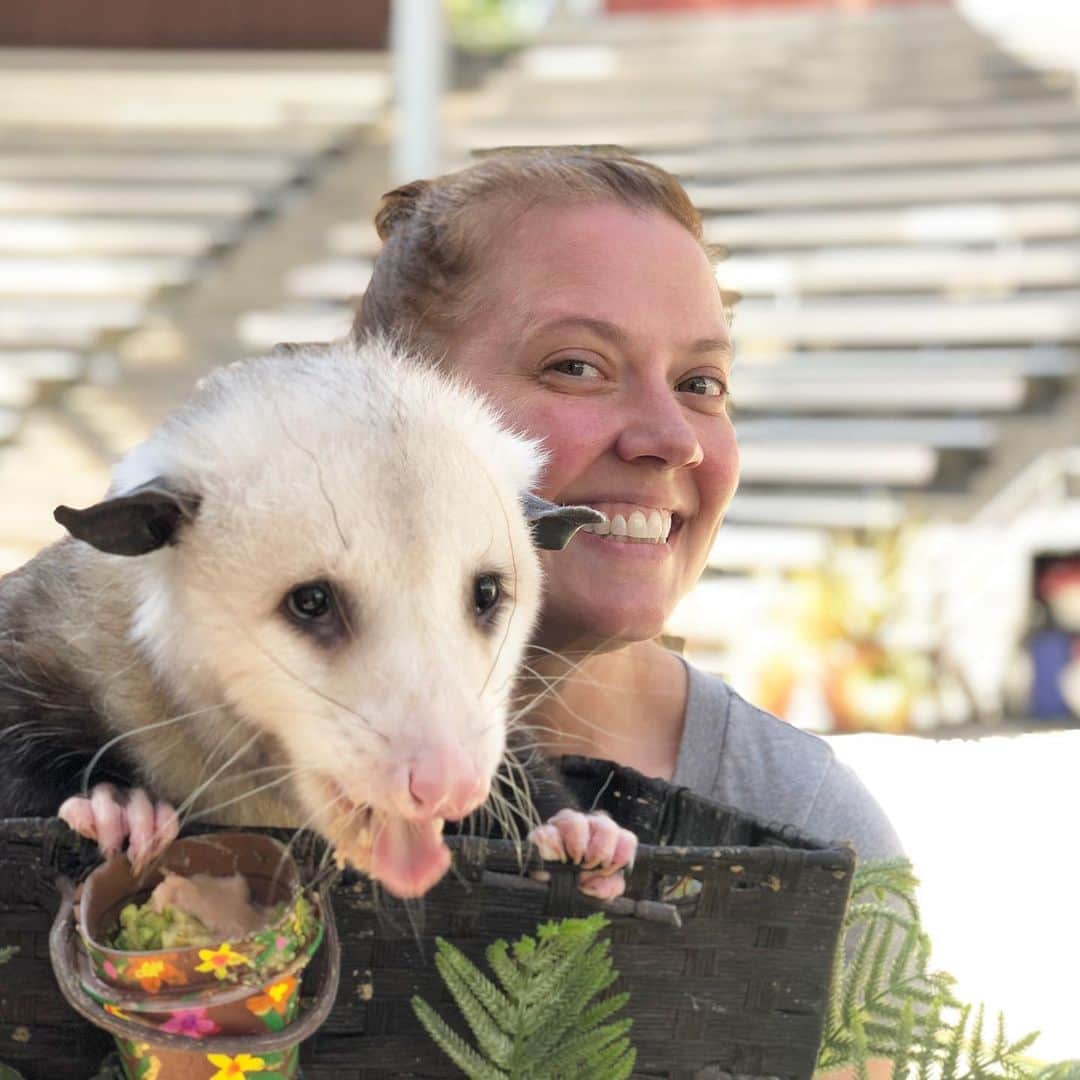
x=543 y=1024
x=454 y=1046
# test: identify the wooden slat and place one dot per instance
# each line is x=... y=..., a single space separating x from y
x=957 y=433
x=1036 y=361
x=261 y=330
x=207 y=200
x=247 y=169
x=962 y=222
x=75 y=324
x=356 y=239
x=888 y=152
x=1023 y=320
x=903 y=270
x=852 y=464
x=1043 y=181
x=137 y=278
x=339 y=280
x=869 y=392
x=831 y=511
x=48 y=367
x=75 y=236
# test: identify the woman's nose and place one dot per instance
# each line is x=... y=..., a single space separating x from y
x=659 y=428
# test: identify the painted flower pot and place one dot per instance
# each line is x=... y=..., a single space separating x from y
x=202 y=1013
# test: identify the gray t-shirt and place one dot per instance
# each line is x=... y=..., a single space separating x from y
x=744 y=757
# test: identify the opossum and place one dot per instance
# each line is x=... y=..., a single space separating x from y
x=303 y=602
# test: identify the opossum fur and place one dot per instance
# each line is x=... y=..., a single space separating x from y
x=347 y=464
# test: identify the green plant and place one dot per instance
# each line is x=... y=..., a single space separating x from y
x=887 y=1003
x=540 y=1021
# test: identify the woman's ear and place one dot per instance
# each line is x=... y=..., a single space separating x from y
x=145 y=519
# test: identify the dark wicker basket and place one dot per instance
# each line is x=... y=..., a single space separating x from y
x=738 y=990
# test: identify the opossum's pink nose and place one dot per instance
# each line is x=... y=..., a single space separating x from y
x=446 y=783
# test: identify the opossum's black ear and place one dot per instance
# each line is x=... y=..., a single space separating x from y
x=143 y=520
x=553 y=526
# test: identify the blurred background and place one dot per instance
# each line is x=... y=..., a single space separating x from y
x=896 y=187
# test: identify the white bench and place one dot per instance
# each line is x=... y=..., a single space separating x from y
x=826 y=510
x=74 y=324
x=260 y=331
x=903 y=269
x=339 y=280
x=1041 y=181
x=142 y=236
x=952 y=433
x=962 y=222
x=889 y=152
x=45 y=369
x=206 y=200
x=355 y=239
x=1034 y=362
x=1052 y=318
x=853 y=464
x=139 y=278
x=252 y=170
x=791 y=390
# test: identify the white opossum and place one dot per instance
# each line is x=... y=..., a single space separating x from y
x=304 y=601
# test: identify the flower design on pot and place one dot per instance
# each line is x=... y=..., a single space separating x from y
x=219 y=960
x=114 y=1010
x=274 y=1003
x=235 y=1068
x=151 y=973
x=191 y=1022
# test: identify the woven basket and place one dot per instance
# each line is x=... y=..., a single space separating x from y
x=738 y=990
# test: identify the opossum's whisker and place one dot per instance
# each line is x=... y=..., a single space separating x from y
x=318 y=475
x=200 y=788
x=309 y=686
x=237 y=798
x=141 y=730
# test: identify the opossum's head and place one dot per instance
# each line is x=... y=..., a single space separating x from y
x=333 y=542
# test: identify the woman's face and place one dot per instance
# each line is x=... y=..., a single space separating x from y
x=603 y=333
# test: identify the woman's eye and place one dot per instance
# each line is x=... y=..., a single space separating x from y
x=578 y=369
x=313 y=601
x=704 y=385
x=486 y=593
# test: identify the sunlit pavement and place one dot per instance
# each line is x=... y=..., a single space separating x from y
x=991 y=826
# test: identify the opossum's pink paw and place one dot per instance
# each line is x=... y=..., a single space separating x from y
x=602 y=885
x=110 y=817
x=601 y=847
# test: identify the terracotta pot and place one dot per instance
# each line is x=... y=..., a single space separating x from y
x=202 y=1013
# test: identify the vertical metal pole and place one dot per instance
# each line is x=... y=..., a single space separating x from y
x=418 y=44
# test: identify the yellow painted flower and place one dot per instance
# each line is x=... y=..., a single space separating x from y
x=276 y=997
x=219 y=960
x=154 y=1070
x=150 y=974
x=234 y=1068
x=113 y=1010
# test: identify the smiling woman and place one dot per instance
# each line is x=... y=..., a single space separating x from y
x=573 y=288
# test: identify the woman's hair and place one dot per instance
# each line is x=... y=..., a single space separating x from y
x=436 y=232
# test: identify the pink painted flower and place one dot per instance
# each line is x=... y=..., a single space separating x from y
x=110 y=969
x=191 y=1022
x=280 y=941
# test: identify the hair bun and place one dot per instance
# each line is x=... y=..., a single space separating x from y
x=397 y=205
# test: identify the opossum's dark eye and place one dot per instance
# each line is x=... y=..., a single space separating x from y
x=486 y=593
x=313 y=601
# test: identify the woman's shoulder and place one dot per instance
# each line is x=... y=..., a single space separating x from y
x=741 y=755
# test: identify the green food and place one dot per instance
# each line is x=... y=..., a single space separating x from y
x=141 y=927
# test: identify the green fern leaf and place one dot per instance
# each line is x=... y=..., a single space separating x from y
x=454 y=1046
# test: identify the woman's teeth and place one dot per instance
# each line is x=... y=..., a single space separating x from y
x=651 y=527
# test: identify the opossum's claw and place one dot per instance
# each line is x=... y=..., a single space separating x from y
x=110 y=817
x=594 y=842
